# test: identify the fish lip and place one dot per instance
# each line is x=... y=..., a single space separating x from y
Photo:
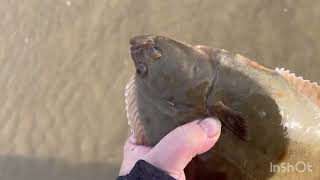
x=141 y=39
x=137 y=53
x=141 y=44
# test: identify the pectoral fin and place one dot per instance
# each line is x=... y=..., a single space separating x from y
x=230 y=119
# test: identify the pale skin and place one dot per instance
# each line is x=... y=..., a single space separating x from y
x=175 y=150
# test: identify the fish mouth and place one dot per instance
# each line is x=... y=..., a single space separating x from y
x=142 y=49
x=139 y=43
x=147 y=42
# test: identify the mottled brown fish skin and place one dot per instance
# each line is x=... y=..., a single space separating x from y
x=165 y=93
x=261 y=112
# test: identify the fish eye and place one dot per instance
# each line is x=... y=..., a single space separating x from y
x=155 y=52
x=157 y=48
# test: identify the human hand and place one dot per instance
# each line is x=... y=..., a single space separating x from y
x=176 y=149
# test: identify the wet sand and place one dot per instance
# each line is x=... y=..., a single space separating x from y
x=64 y=66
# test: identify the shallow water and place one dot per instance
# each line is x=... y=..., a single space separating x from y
x=64 y=66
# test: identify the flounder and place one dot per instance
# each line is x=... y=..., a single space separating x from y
x=270 y=118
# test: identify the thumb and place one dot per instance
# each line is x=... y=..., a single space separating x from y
x=176 y=149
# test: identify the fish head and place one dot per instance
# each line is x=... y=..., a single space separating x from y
x=170 y=68
x=172 y=79
x=155 y=55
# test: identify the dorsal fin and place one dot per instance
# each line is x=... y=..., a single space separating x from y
x=306 y=87
x=133 y=112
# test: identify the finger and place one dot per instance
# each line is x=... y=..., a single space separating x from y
x=176 y=150
x=131 y=154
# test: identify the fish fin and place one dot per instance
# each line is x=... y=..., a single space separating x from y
x=252 y=63
x=231 y=120
x=306 y=87
x=133 y=112
x=205 y=49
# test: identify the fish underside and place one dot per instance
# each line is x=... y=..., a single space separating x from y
x=270 y=118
